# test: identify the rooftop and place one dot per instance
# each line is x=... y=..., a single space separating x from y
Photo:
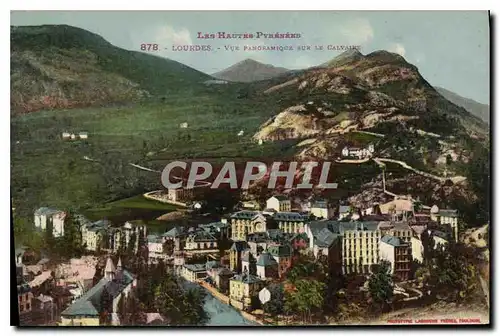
x=448 y=213
x=246 y=278
x=393 y=241
x=196 y=267
x=289 y=216
x=45 y=211
x=266 y=259
x=245 y=214
x=279 y=198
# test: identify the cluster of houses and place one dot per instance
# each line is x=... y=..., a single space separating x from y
x=262 y=245
x=351 y=241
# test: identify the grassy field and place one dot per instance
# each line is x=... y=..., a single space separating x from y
x=47 y=171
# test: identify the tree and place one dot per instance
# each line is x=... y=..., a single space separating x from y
x=306 y=299
x=183 y=307
x=452 y=274
x=131 y=244
x=276 y=305
x=380 y=284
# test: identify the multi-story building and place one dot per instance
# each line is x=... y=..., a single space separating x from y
x=178 y=235
x=291 y=222
x=201 y=241
x=243 y=288
x=123 y=235
x=47 y=218
x=94 y=234
x=245 y=222
x=155 y=249
x=398 y=253
x=248 y=262
x=360 y=246
x=279 y=203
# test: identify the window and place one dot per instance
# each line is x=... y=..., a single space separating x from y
x=27 y=306
x=21 y=307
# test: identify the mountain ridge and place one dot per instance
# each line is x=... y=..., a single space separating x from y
x=61 y=66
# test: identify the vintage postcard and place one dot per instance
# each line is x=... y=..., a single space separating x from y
x=240 y=168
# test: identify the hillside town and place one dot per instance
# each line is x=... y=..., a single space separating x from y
x=243 y=260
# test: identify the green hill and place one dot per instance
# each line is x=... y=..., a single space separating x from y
x=59 y=66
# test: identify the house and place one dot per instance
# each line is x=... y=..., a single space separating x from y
x=290 y=222
x=65 y=135
x=360 y=153
x=322 y=209
x=83 y=135
x=235 y=253
x=40 y=283
x=183 y=125
x=398 y=253
x=201 y=241
x=99 y=305
x=283 y=256
x=279 y=203
x=72 y=136
x=398 y=208
x=243 y=289
x=46 y=218
x=446 y=217
x=194 y=272
x=344 y=211
x=241 y=133
x=219 y=275
x=155 y=249
x=267 y=266
x=94 y=234
x=155 y=319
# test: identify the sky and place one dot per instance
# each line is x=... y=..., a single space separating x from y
x=450 y=48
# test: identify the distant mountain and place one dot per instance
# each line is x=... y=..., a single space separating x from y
x=481 y=111
x=249 y=71
x=60 y=66
x=346 y=57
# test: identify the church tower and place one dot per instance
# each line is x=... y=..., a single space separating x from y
x=110 y=271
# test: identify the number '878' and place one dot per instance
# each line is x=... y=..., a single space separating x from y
x=149 y=46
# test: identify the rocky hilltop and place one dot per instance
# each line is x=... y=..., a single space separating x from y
x=249 y=70
x=381 y=100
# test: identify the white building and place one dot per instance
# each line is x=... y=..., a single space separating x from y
x=47 y=217
x=183 y=125
x=94 y=233
x=279 y=203
x=83 y=135
x=322 y=209
x=66 y=135
x=359 y=153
